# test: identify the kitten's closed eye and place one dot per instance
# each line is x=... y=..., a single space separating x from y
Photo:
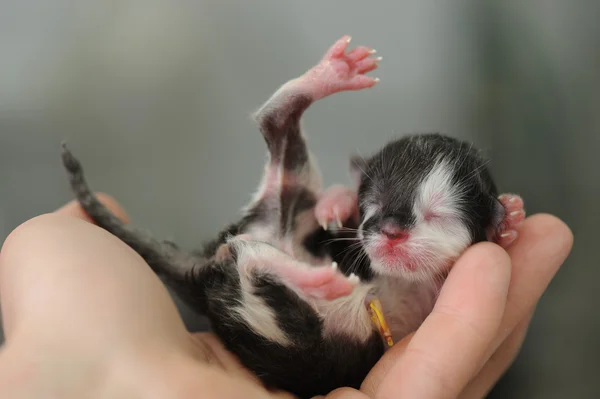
x=430 y=215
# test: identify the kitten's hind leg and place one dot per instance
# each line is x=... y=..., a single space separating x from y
x=290 y=162
x=513 y=214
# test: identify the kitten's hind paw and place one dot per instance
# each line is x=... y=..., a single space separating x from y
x=514 y=214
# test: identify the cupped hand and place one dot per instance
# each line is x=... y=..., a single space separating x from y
x=478 y=323
x=84 y=315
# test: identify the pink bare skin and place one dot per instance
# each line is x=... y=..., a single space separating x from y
x=514 y=215
x=322 y=282
x=339 y=71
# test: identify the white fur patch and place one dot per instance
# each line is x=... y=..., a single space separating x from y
x=262 y=231
x=438 y=194
x=348 y=315
x=371 y=210
x=440 y=234
x=253 y=310
x=258 y=316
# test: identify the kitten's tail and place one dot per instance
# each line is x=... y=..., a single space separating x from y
x=165 y=258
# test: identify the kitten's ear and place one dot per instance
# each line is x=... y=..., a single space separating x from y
x=358 y=167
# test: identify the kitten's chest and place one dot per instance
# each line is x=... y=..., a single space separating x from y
x=405 y=304
x=290 y=239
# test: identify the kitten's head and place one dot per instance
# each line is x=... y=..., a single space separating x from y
x=423 y=200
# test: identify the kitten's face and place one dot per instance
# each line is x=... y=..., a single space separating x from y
x=419 y=212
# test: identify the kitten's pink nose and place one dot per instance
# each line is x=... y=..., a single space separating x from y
x=394 y=232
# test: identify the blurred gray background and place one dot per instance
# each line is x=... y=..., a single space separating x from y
x=155 y=97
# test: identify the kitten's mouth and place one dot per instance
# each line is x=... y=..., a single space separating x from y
x=389 y=252
x=391 y=256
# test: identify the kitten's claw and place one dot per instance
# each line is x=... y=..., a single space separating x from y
x=337 y=217
x=337 y=205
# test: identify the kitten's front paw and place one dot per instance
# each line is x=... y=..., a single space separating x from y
x=325 y=282
x=337 y=205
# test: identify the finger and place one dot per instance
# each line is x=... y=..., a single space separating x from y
x=382 y=368
x=543 y=245
x=343 y=393
x=73 y=208
x=498 y=363
x=209 y=349
x=461 y=326
x=188 y=379
x=77 y=285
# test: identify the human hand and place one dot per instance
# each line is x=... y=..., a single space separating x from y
x=85 y=317
x=465 y=345
x=479 y=321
